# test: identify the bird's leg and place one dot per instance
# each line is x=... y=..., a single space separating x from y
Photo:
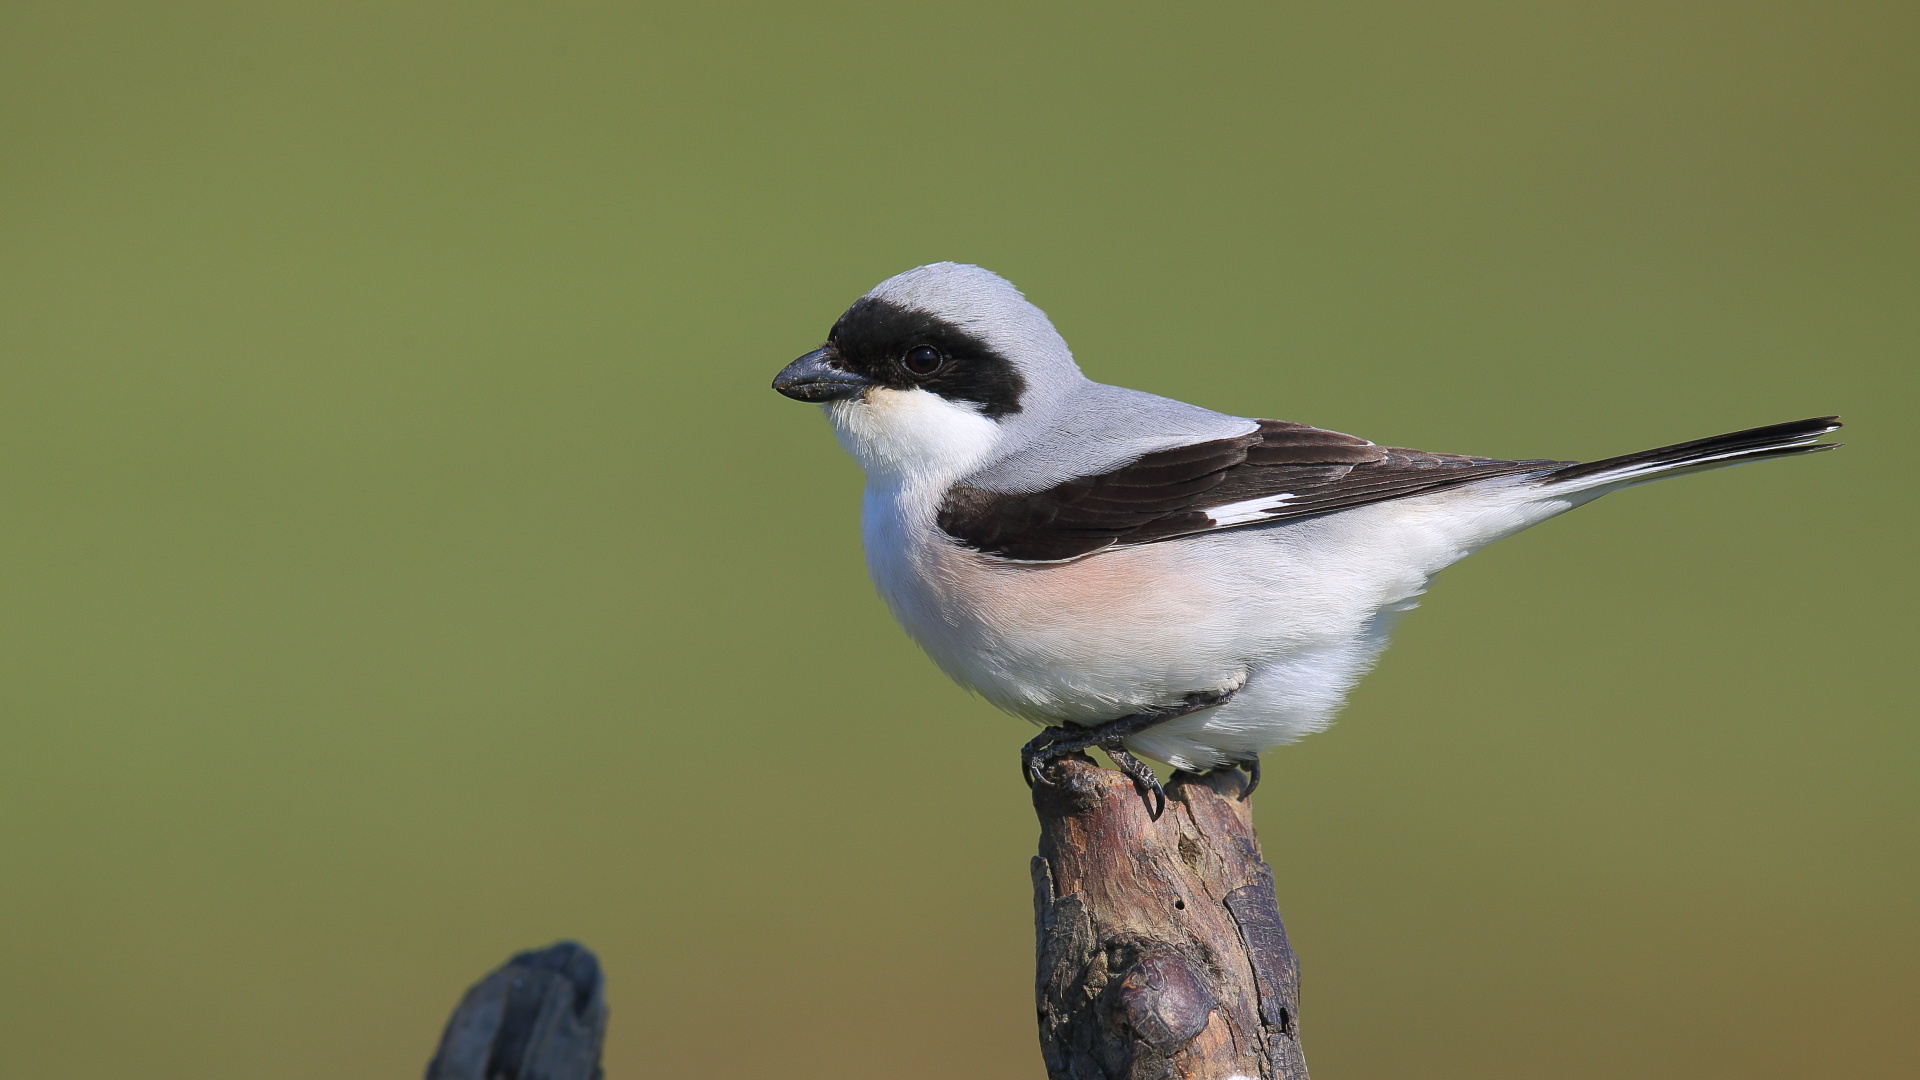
x=1055 y=743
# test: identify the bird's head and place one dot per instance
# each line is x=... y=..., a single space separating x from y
x=935 y=370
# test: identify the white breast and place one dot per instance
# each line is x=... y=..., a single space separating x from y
x=1086 y=640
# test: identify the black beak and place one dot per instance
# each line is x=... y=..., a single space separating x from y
x=813 y=378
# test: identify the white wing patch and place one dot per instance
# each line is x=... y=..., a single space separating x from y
x=1239 y=513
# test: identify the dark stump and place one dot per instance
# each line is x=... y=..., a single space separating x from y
x=540 y=1016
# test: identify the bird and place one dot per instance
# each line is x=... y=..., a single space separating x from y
x=1138 y=574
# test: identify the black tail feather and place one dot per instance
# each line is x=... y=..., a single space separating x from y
x=1774 y=440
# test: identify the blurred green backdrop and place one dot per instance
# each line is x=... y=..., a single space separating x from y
x=403 y=560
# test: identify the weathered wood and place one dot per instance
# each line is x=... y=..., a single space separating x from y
x=1161 y=951
x=540 y=1016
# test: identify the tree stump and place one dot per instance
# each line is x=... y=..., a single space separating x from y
x=542 y=1015
x=1161 y=953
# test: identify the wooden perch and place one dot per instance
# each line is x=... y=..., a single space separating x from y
x=1161 y=952
x=540 y=1016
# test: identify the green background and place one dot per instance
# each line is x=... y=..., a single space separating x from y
x=403 y=560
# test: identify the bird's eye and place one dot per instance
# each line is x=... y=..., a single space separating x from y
x=922 y=360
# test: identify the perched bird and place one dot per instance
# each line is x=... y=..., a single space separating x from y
x=1136 y=573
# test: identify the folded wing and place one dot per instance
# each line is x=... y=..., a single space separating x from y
x=1280 y=472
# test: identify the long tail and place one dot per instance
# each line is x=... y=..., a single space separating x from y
x=1736 y=448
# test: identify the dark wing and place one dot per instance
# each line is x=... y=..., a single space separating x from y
x=1280 y=472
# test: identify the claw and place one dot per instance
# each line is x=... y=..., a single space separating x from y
x=1253 y=778
x=1035 y=756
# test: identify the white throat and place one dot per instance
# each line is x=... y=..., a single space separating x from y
x=913 y=439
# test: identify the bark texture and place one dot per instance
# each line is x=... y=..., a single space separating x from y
x=1161 y=952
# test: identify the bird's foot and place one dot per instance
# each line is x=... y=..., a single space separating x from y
x=1055 y=743
x=1144 y=780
